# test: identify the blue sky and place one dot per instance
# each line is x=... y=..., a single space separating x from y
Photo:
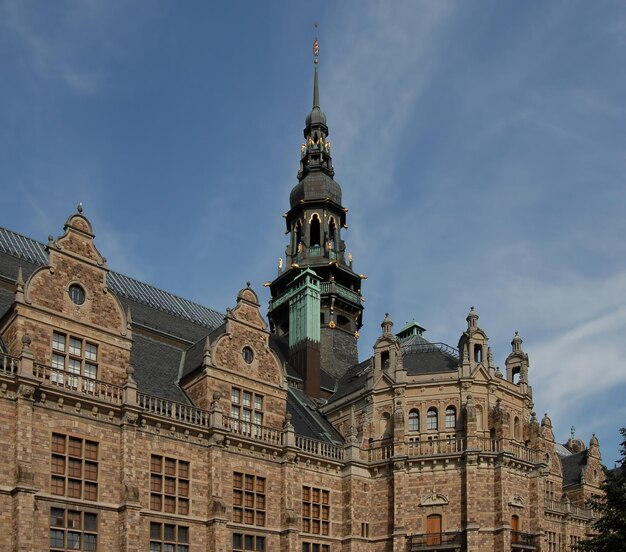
x=481 y=148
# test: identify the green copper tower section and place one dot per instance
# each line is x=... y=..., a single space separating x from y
x=304 y=309
x=304 y=329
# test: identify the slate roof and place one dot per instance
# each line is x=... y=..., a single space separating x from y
x=419 y=356
x=159 y=363
x=352 y=380
x=156 y=367
x=572 y=467
x=307 y=420
x=26 y=251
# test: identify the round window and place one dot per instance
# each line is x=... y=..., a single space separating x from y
x=77 y=294
x=248 y=355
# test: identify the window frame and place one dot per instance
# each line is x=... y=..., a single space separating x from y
x=166 y=471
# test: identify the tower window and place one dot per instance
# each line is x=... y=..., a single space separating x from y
x=478 y=353
x=315 y=230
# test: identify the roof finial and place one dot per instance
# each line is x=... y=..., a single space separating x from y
x=316 y=53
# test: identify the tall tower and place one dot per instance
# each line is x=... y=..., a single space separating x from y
x=315 y=222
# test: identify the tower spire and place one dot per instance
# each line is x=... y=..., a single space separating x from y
x=316 y=53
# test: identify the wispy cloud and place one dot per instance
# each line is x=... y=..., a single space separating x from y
x=57 y=39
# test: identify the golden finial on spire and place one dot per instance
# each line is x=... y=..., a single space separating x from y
x=316 y=46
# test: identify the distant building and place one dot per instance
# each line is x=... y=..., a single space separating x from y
x=133 y=419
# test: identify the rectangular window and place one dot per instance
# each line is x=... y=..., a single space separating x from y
x=166 y=537
x=74 y=467
x=315 y=547
x=249 y=499
x=77 y=357
x=169 y=485
x=315 y=511
x=242 y=543
x=73 y=530
x=247 y=407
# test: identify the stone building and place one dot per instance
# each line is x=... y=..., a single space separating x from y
x=133 y=419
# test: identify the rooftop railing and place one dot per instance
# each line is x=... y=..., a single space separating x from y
x=8 y=364
x=319 y=448
x=173 y=410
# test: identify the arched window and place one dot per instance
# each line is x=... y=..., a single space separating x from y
x=433 y=529
x=517 y=429
x=384 y=360
x=315 y=230
x=450 y=417
x=414 y=420
x=478 y=353
x=331 y=232
x=431 y=419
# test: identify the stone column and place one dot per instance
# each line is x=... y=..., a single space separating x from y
x=25 y=489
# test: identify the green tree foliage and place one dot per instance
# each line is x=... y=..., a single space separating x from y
x=610 y=527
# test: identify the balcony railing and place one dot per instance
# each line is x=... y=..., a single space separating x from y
x=8 y=364
x=341 y=291
x=452 y=540
x=319 y=448
x=79 y=384
x=254 y=431
x=522 y=541
x=568 y=508
x=435 y=447
x=384 y=452
x=452 y=445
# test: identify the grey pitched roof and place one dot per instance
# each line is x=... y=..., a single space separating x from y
x=6 y=300
x=352 y=380
x=572 y=467
x=307 y=420
x=420 y=356
x=193 y=357
x=156 y=367
x=33 y=252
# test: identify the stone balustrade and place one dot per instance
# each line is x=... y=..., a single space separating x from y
x=8 y=364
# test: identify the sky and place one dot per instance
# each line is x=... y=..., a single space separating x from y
x=480 y=146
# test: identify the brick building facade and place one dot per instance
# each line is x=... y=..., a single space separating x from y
x=137 y=420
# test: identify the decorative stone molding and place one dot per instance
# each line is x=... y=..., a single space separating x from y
x=434 y=499
x=516 y=501
x=25 y=391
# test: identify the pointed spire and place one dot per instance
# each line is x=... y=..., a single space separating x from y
x=19 y=286
x=316 y=89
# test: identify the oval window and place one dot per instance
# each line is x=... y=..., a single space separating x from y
x=248 y=355
x=77 y=294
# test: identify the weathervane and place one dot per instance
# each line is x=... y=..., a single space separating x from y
x=316 y=46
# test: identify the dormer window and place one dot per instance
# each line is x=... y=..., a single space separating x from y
x=75 y=356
